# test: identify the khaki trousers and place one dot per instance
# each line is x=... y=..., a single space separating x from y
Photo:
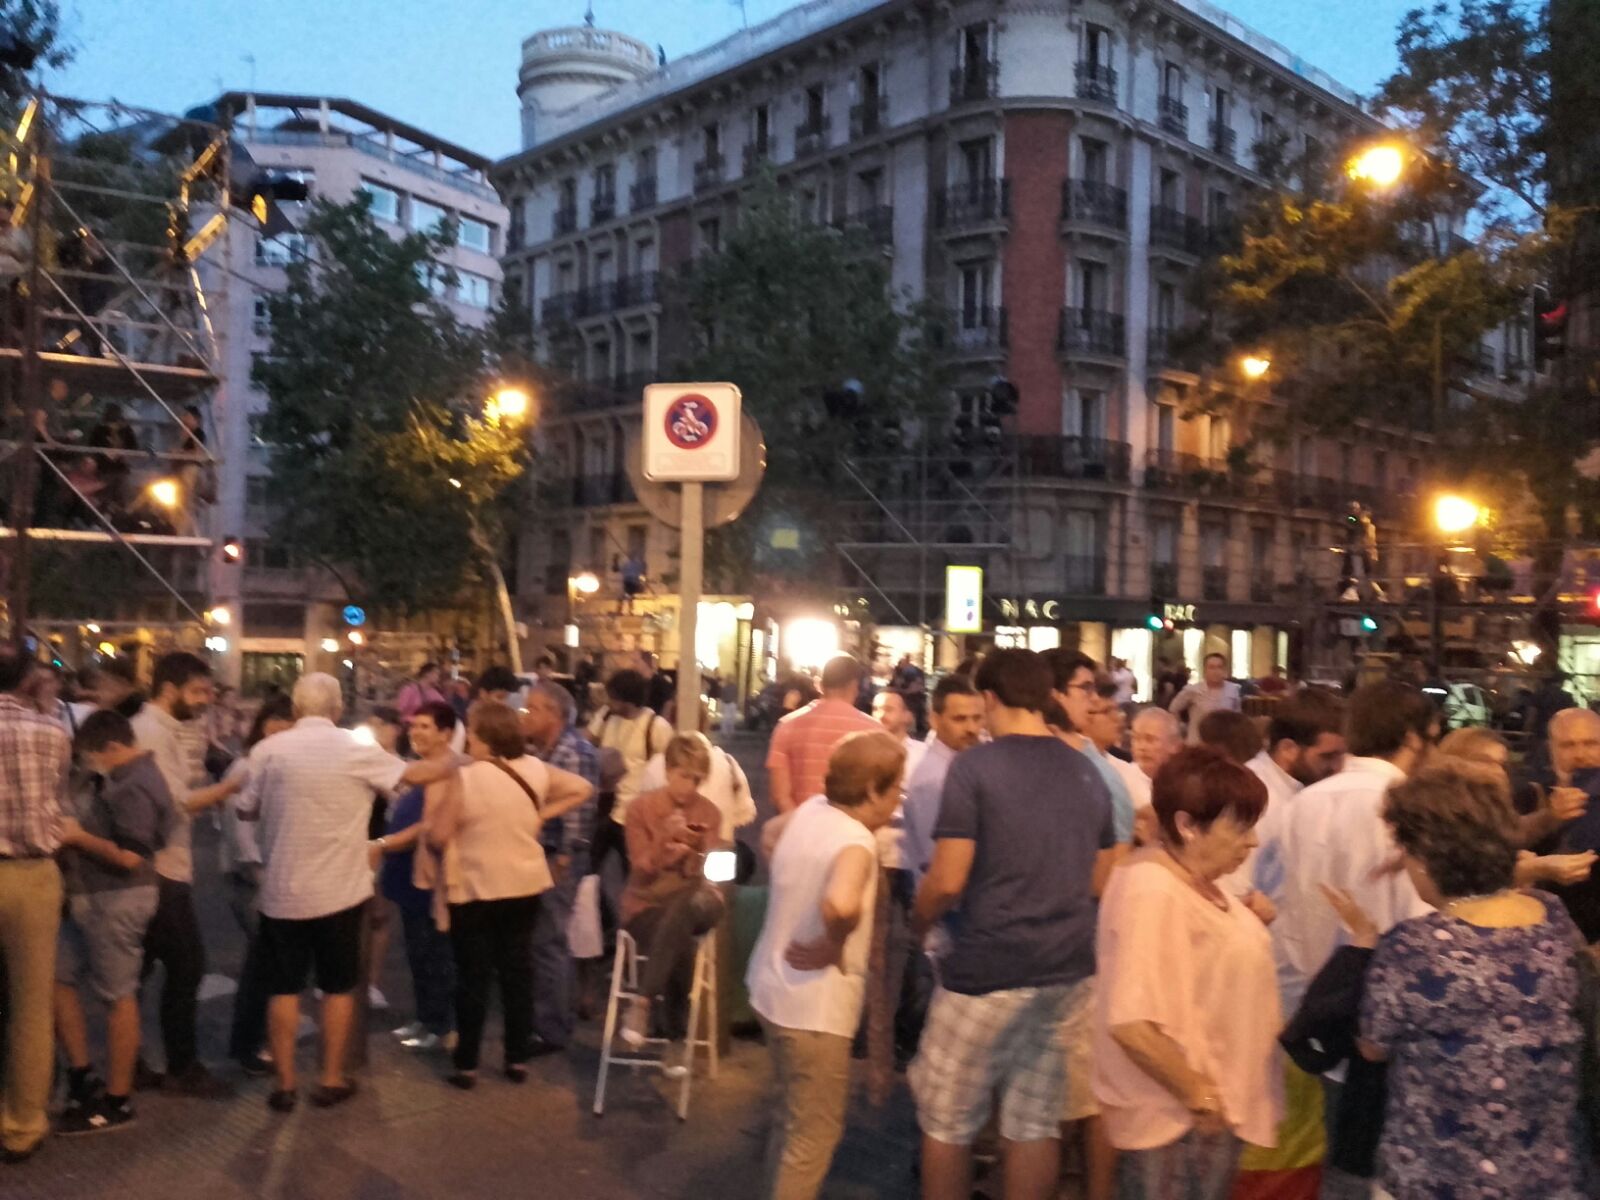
x=30 y=916
x=813 y=1081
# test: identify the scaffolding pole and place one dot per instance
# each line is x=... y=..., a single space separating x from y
x=19 y=596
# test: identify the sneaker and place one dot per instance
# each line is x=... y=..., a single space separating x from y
x=423 y=1041
x=635 y=1027
x=375 y=998
x=406 y=1032
x=197 y=1081
x=98 y=1116
x=257 y=1066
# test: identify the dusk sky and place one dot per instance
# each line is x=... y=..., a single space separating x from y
x=450 y=66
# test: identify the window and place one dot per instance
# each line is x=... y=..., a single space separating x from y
x=435 y=278
x=1096 y=159
x=638 y=536
x=261 y=317
x=710 y=236
x=567 y=195
x=644 y=255
x=1097 y=46
x=761 y=130
x=644 y=163
x=816 y=106
x=1268 y=130
x=1166 y=427
x=711 y=141
x=977 y=161
x=1261 y=550
x=977 y=284
x=475 y=235
x=1214 y=543
x=597 y=547
x=1169 y=190
x=641 y=353
x=257 y=493
x=1163 y=541
x=427 y=217
x=1172 y=81
x=605 y=181
x=869 y=190
x=604 y=269
x=600 y=361
x=1220 y=438
x=473 y=290
x=1306 y=458
x=973 y=48
x=1086 y=415
x=1221 y=107
x=1219 y=208
x=1094 y=287
x=385 y=200
x=280 y=251
x=1166 y=307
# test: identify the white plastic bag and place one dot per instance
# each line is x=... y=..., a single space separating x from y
x=584 y=938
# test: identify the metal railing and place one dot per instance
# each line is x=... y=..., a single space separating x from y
x=1163 y=579
x=1263 y=589
x=708 y=172
x=1094 y=202
x=811 y=136
x=1223 y=137
x=877 y=221
x=979 y=202
x=1172 y=115
x=1092 y=331
x=642 y=194
x=1047 y=456
x=978 y=329
x=602 y=207
x=1097 y=81
x=594 y=491
x=756 y=153
x=869 y=117
x=1173 y=230
x=643 y=287
x=564 y=221
x=1214 y=582
x=1084 y=574
x=978 y=79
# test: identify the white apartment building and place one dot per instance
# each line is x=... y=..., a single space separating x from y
x=1053 y=172
x=285 y=609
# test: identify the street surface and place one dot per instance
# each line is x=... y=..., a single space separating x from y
x=407 y=1134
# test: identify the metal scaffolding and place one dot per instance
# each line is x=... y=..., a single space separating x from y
x=109 y=360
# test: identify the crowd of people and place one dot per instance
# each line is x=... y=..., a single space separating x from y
x=1322 y=952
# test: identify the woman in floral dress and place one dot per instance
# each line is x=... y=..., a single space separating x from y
x=1475 y=1008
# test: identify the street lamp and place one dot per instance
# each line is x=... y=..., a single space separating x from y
x=587 y=583
x=164 y=492
x=1380 y=166
x=508 y=404
x=1454 y=515
x=219 y=615
x=1254 y=366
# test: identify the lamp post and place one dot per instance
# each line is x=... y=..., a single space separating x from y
x=1453 y=516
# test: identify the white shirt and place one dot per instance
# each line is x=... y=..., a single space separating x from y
x=1138 y=782
x=1125 y=681
x=827 y=1001
x=496 y=846
x=1262 y=870
x=1199 y=700
x=1334 y=833
x=312 y=788
x=726 y=787
x=162 y=734
x=891 y=838
x=638 y=740
x=919 y=810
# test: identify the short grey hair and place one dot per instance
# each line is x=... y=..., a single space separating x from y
x=559 y=696
x=318 y=695
x=1169 y=723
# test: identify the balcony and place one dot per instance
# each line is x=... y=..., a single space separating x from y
x=869 y=117
x=1263 y=589
x=981 y=202
x=602 y=207
x=597 y=299
x=756 y=154
x=1094 y=202
x=1172 y=115
x=1175 y=231
x=1090 y=331
x=1085 y=574
x=1223 y=139
x=708 y=172
x=559 y=308
x=564 y=221
x=978 y=332
x=1072 y=457
x=642 y=194
x=811 y=137
x=877 y=222
x=516 y=232
x=643 y=288
x=595 y=491
x=1173 y=471
x=1097 y=81
x=976 y=80
x=1164 y=579
x=1214 y=582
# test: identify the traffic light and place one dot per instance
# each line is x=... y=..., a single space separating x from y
x=232 y=550
x=1154 y=623
x=1594 y=602
x=1369 y=624
x=1549 y=328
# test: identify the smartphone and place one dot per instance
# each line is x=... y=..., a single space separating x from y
x=1584 y=833
x=722 y=866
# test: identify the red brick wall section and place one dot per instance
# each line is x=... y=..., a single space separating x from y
x=1034 y=278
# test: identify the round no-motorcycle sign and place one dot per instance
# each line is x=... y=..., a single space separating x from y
x=691 y=432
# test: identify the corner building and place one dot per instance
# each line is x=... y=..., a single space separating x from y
x=1053 y=172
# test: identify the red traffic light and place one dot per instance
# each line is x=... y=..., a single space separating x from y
x=1594 y=602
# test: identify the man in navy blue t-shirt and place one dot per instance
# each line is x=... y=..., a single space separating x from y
x=1023 y=844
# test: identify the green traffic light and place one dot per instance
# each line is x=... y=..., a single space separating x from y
x=1368 y=625
x=1154 y=623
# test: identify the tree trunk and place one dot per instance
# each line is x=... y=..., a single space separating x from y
x=508 y=615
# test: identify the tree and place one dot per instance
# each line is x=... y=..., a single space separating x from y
x=834 y=366
x=388 y=455
x=30 y=41
x=1366 y=305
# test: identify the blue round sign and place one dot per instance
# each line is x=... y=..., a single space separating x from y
x=354 y=615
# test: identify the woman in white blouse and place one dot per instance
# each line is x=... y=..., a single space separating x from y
x=1185 y=1050
x=488 y=827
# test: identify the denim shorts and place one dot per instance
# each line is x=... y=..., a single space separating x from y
x=101 y=943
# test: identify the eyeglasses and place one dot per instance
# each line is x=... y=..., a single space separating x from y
x=1081 y=687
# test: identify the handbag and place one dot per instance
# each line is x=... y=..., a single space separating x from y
x=584 y=936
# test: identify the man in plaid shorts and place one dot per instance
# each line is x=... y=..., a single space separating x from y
x=1023 y=843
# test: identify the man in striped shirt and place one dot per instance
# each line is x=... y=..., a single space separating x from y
x=797 y=759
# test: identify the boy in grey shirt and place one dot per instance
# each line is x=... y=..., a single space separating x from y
x=111 y=896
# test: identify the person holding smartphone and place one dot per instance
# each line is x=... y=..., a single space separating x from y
x=667 y=903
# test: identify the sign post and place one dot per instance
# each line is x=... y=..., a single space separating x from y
x=692 y=437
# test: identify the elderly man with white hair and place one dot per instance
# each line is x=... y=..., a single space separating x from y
x=311 y=789
x=1157 y=736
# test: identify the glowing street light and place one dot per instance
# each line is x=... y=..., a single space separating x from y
x=330 y=645
x=508 y=404
x=1380 y=165
x=456 y=483
x=1254 y=367
x=219 y=615
x=357 y=638
x=1455 y=514
x=586 y=583
x=165 y=492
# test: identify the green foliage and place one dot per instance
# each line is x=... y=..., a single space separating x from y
x=789 y=310
x=376 y=404
x=37 y=23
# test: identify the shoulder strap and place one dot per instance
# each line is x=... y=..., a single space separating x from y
x=522 y=783
x=650 y=734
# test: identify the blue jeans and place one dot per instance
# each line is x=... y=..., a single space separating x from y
x=432 y=963
x=555 y=975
